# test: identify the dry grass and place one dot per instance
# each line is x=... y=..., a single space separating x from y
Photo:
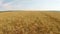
x=29 y=23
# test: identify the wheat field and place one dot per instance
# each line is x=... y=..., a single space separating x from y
x=30 y=22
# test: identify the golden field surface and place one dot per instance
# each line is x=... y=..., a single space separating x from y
x=30 y=22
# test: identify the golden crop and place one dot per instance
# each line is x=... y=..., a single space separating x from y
x=29 y=23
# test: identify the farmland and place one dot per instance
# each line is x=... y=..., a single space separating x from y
x=29 y=22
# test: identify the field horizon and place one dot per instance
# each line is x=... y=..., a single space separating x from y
x=29 y=22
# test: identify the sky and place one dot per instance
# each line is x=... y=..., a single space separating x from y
x=29 y=4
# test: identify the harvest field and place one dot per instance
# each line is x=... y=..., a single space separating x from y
x=30 y=22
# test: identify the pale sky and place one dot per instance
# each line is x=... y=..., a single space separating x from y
x=29 y=4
